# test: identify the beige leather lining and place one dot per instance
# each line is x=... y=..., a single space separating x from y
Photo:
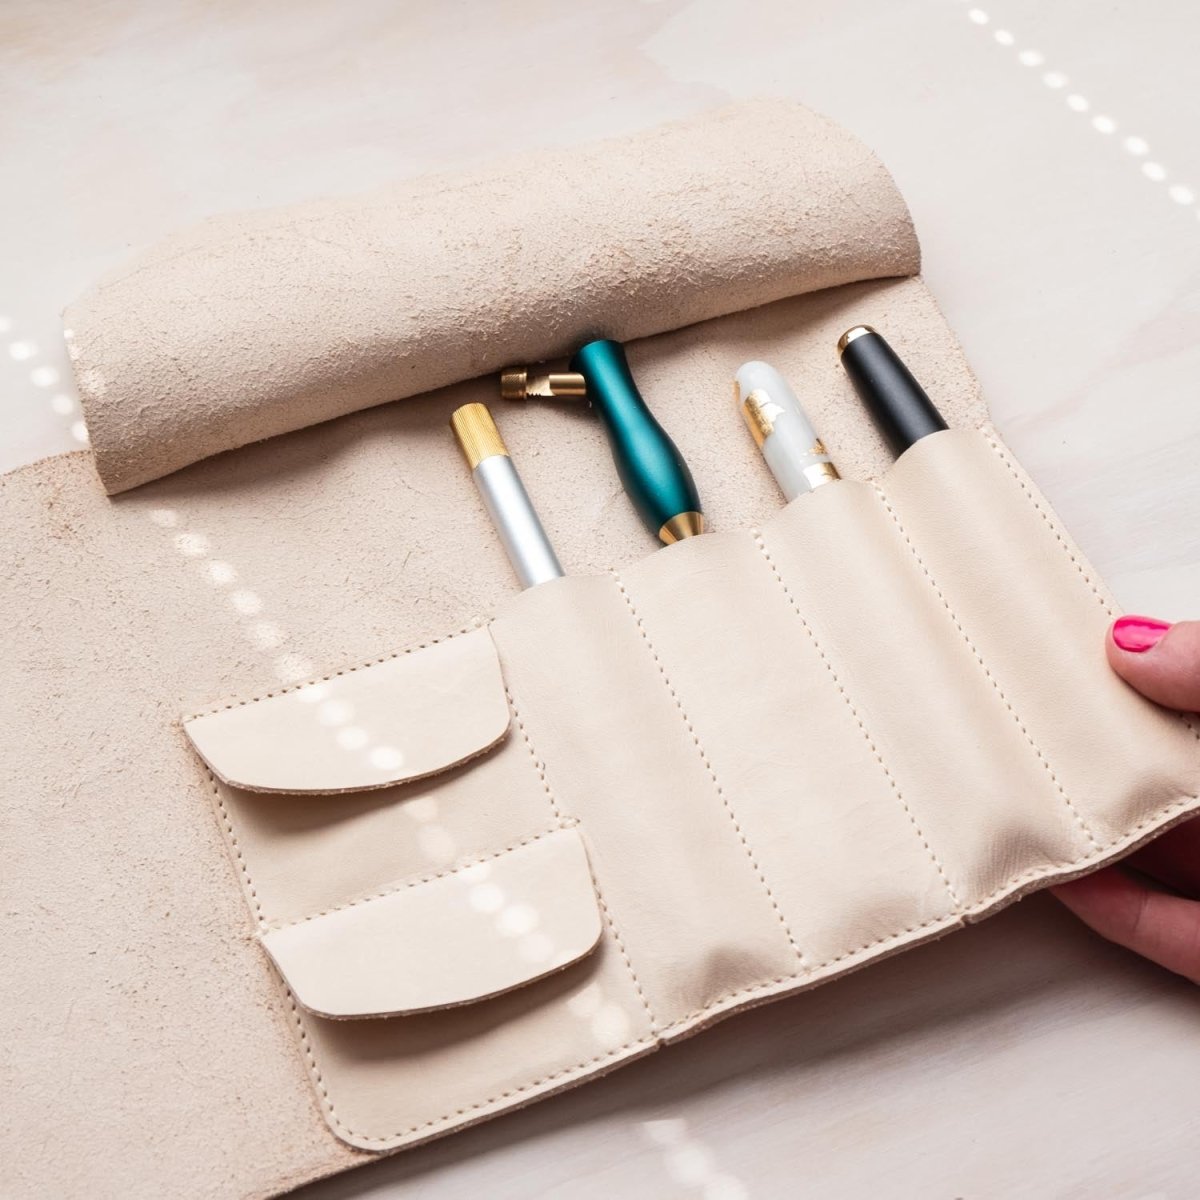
x=788 y=751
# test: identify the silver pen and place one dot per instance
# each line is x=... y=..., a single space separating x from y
x=504 y=496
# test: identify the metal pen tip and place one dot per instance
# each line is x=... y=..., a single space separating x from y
x=516 y=383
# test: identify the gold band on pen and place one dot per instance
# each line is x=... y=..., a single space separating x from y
x=855 y=331
x=477 y=433
x=682 y=525
x=819 y=473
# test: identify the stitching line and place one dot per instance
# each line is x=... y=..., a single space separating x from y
x=315 y=1071
x=585 y=1067
x=708 y=767
x=273 y=926
x=1078 y=818
x=1007 y=460
x=829 y=962
x=227 y=824
x=295 y=687
x=540 y=767
x=1058 y=865
x=759 y=541
x=1012 y=470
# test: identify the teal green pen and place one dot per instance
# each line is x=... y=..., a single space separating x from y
x=650 y=467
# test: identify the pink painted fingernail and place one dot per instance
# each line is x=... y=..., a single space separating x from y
x=1138 y=634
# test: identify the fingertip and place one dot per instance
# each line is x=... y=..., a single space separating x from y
x=1133 y=634
x=1157 y=658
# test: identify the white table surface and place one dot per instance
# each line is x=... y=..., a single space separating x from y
x=1049 y=156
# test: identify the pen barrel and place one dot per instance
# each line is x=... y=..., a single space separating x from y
x=780 y=427
x=898 y=404
x=650 y=467
x=797 y=459
x=516 y=521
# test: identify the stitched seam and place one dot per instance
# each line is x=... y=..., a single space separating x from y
x=540 y=767
x=1014 y=881
x=829 y=962
x=833 y=675
x=762 y=879
x=411 y=883
x=227 y=824
x=295 y=687
x=585 y=1067
x=314 y=1070
x=1099 y=852
x=1012 y=470
x=1006 y=459
x=1058 y=787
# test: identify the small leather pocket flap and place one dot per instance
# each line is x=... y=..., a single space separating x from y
x=413 y=715
x=451 y=939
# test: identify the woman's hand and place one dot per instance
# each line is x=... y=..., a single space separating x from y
x=1154 y=909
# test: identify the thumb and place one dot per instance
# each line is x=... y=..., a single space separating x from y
x=1160 y=660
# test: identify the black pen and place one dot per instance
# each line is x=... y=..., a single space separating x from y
x=897 y=402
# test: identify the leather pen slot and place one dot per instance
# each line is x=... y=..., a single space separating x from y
x=803 y=786
x=978 y=801
x=1038 y=621
x=623 y=759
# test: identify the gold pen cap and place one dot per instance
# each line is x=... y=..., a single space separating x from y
x=855 y=331
x=477 y=433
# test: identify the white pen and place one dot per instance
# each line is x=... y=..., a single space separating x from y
x=789 y=443
x=504 y=496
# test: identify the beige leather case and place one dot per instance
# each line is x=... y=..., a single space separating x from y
x=745 y=765
x=566 y=826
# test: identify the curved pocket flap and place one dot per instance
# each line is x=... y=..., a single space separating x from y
x=418 y=713
x=455 y=938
